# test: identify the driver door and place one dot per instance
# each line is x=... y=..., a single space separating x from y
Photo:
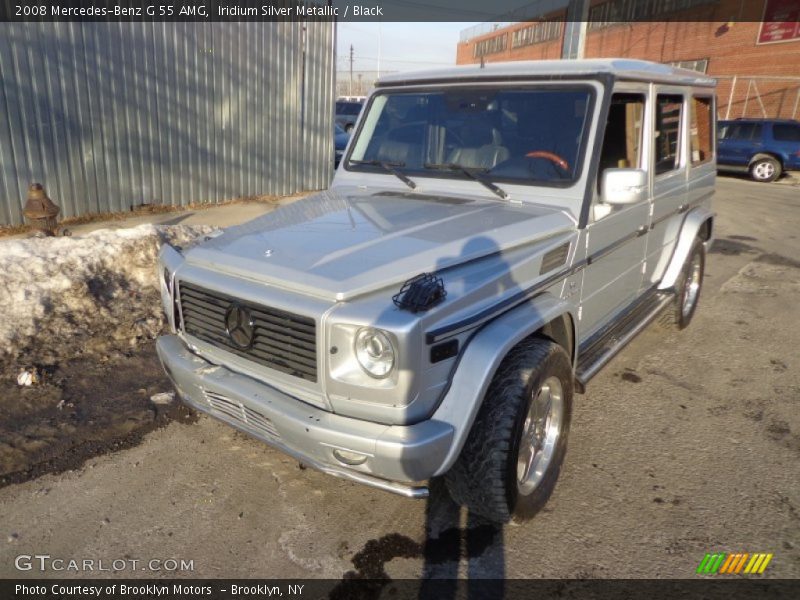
x=615 y=244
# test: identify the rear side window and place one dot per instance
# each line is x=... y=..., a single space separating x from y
x=668 y=132
x=701 y=134
x=786 y=132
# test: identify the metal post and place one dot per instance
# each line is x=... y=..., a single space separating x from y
x=351 y=69
x=583 y=29
x=730 y=98
x=747 y=98
x=758 y=97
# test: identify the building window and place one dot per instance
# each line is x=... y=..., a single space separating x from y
x=491 y=45
x=668 y=133
x=537 y=33
x=700 y=133
x=700 y=65
x=612 y=12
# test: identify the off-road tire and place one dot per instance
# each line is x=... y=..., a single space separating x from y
x=484 y=478
x=765 y=169
x=673 y=316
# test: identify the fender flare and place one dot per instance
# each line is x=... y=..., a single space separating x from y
x=692 y=224
x=481 y=358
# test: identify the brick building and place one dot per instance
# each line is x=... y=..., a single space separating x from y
x=752 y=47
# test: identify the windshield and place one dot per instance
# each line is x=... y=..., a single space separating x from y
x=348 y=108
x=517 y=135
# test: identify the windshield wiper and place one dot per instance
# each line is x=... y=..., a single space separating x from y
x=472 y=174
x=389 y=167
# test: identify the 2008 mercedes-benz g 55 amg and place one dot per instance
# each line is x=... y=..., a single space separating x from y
x=493 y=236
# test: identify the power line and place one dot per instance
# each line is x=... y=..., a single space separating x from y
x=402 y=60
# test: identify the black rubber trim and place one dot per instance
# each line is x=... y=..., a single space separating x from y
x=410 y=86
x=594 y=158
x=683 y=208
x=606 y=332
x=496 y=310
x=603 y=252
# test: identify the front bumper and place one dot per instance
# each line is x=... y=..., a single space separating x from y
x=397 y=456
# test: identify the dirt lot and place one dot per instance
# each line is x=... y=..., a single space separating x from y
x=686 y=443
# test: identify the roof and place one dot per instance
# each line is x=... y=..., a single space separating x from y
x=758 y=120
x=621 y=68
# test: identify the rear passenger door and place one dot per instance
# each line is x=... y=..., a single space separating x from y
x=742 y=140
x=669 y=167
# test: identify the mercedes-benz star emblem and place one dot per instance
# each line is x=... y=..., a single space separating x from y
x=239 y=325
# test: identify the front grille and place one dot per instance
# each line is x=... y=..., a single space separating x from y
x=241 y=413
x=282 y=340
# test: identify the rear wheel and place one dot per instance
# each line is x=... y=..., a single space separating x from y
x=765 y=169
x=687 y=289
x=513 y=455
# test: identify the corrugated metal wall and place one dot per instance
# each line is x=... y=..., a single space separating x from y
x=110 y=115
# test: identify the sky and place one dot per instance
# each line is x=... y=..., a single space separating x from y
x=402 y=46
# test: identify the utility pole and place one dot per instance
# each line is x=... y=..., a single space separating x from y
x=583 y=29
x=351 y=69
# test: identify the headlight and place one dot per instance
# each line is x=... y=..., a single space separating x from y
x=169 y=260
x=374 y=352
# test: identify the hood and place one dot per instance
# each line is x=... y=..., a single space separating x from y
x=341 y=244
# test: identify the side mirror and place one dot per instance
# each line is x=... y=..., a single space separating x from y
x=623 y=186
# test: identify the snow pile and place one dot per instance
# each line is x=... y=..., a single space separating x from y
x=97 y=294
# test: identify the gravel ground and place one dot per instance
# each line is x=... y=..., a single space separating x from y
x=688 y=442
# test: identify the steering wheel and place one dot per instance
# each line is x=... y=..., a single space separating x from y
x=554 y=158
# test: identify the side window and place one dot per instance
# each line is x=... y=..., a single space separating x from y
x=734 y=132
x=700 y=133
x=668 y=132
x=622 y=144
x=746 y=132
x=785 y=132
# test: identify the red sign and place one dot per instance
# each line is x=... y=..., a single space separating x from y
x=781 y=22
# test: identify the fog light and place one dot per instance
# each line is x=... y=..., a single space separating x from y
x=349 y=458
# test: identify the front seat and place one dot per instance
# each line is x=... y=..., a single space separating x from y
x=481 y=147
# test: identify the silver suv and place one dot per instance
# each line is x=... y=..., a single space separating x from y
x=492 y=238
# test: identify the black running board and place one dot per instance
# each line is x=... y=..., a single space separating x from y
x=604 y=345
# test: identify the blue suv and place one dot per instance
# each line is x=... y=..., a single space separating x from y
x=765 y=148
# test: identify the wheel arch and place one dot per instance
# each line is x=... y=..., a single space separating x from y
x=544 y=315
x=698 y=222
x=759 y=155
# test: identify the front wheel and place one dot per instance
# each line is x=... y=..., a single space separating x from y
x=765 y=169
x=513 y=455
